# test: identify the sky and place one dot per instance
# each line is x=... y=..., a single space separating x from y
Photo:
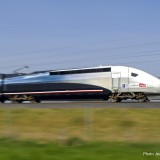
x=64 y=34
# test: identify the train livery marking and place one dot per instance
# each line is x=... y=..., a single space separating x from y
x=142 y=85
x=55 y=92
x=134 y=85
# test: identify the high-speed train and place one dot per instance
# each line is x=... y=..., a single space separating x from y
x=114 y=83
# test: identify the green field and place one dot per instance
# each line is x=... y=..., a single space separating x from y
x=75 y=150
x=79 y=133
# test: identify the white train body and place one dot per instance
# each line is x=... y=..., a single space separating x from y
x=120 y=79
x=115 y=82
x=123 y=82
x=128 y=79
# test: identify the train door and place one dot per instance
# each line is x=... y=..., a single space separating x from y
x=116 y=81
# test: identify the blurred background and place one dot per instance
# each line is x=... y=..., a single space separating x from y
x=48 y=35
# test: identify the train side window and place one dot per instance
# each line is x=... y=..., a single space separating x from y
x=106 y=69
x=100 y=70
x=87 y=71
x=54 y=73
x=62 y=72
x=79 y=71
x=134 y=74
x=94 y=70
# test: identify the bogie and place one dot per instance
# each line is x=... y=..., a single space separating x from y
x=118 y=97
x=22 y=98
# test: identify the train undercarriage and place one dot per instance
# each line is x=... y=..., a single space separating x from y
x=20 y=99
x=118 y=96
x=113 y=97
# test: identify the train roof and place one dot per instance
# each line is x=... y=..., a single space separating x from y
x=10 y=75
x=70 y=69
x=81 y=70
x=99 y=68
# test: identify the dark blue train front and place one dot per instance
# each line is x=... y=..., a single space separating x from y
x=66 y=84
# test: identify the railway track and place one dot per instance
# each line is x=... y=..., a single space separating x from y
x=82 y=104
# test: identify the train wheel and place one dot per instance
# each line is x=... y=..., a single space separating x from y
x=114 y=100
x=36 y=101
x=19 y=101
x=143 y=99
x=119 y=100
x=2 y=100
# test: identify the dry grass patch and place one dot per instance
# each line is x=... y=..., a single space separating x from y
x=108 y=124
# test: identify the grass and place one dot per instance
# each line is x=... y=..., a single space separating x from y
x=79 y=133
x=103 y=124
x=31 y=150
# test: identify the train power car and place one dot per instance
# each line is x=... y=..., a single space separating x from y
x=114 y=83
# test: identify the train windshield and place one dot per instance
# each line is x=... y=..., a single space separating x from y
x=134 y=74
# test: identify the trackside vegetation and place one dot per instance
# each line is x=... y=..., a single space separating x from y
x=79 y=133
x=32 y=150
